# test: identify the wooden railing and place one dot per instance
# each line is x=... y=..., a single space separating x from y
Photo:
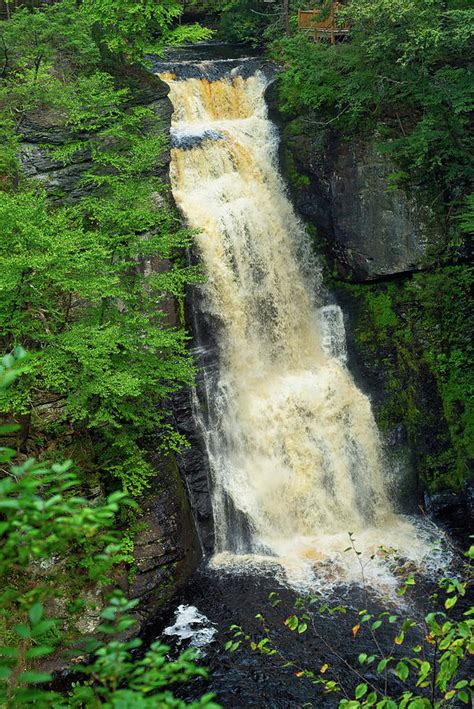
x=322 y=29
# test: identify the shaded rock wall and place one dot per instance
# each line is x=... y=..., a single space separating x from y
x=340 y=186
x=194 y=465
x=166 y=549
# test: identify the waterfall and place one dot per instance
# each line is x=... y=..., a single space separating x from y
x=295 y=455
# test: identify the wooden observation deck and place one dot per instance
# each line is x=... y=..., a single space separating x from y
x=322 y=29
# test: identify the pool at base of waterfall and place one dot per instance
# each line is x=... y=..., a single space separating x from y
x=203 y=614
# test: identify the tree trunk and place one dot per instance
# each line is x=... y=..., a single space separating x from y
x=286 y=17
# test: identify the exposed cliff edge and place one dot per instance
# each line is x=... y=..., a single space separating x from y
x=375 y=232
x=341 y=187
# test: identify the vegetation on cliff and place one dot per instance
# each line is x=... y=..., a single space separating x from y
x=87 y=281
x=88 y=278
x=404 y=74
x=417 y=331
x=53 y=542
x=103 y=355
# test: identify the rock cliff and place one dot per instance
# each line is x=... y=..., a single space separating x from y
x=342 y=187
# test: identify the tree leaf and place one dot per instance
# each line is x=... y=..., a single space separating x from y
x=35 y=613
x=39 y=651
x=361 y=689
x=402 y=671
x=292 y=622
x=34 y=677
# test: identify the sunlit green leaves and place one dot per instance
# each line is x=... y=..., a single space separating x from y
x=131 y=29
x=361 y=689
x=292 y=622
x=71 y=285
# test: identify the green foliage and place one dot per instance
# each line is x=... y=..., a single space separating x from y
x=131 y=29
x=75 y=286
x=73 y=291
x=81 y=33
x=245 y=21
x=45 y=525
x=116 y=678
x=296 y=180
x=466 y=217
x=429 y=657
x=31 y=39
x=421 y=324
x=380 y=310
x=405 y=76
x=252 y=21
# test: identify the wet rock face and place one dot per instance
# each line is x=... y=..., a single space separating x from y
x=166 y=549
x=341 y=188
x=455 y=510
x=194 y=466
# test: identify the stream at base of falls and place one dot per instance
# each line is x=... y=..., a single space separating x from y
x=296 y=462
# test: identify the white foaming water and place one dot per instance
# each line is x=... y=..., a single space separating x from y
x=191 y=625
x=294 y=451
x=333 y=333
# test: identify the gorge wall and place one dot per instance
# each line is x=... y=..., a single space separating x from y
x=164 y=548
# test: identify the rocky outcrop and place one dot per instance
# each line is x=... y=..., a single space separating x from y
x=166 y=549
x=455 y=510
x=46 y=130
x=341 y=186
x=62 y=182
x=373 y=231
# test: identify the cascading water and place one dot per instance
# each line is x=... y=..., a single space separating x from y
x=295 y=455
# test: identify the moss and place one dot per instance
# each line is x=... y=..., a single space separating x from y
x=381 y=311
x=296 y=179
x=415 y=331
